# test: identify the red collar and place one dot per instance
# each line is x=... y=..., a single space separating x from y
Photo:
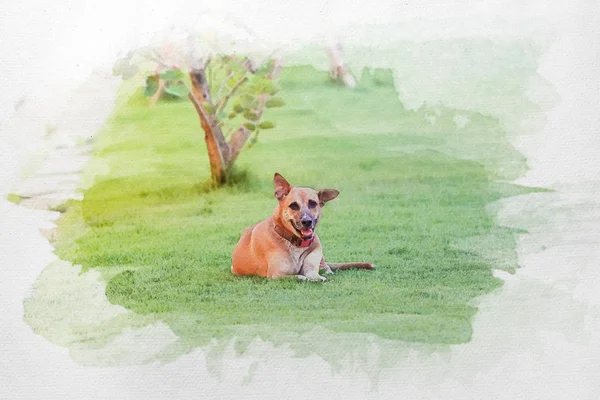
x=293 y=239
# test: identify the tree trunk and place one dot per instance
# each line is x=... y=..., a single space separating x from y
x=218 y=150
x=159 y=92
x=338 y=70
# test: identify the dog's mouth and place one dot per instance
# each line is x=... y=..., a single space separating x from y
x=307 y=233
x=304 y=233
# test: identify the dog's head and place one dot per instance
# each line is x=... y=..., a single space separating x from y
x=299 y=207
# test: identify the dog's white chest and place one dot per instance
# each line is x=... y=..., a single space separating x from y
x=302 y=258
x=297 y=255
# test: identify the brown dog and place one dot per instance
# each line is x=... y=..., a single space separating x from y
x=286 y=243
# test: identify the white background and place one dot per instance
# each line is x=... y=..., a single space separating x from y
x=48 y=48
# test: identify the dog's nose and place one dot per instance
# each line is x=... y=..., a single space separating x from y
x=307 y=223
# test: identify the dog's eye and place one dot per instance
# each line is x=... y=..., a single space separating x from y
x=294 y=206
x=312 y=204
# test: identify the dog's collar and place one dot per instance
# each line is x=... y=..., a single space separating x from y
x=293 y=239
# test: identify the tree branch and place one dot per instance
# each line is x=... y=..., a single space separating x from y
x=159 y=62
x=157 y=58
x=238 y=139
x=228 y=77
x=247 y=64
x=223 y=102
x=277 y=66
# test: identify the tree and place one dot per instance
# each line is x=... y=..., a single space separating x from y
x=229 y=93
x=338 y=71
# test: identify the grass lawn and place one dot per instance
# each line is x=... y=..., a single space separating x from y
x=164 y=243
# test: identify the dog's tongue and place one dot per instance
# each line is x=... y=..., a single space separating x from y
x=306 y=232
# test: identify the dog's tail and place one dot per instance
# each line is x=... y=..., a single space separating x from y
x=350 y=265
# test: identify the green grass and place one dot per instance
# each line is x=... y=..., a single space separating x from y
x=164 y=242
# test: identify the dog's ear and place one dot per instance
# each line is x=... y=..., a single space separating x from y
x=327 y=194
x=282 y=187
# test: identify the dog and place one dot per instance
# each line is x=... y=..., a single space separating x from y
x=286 y=244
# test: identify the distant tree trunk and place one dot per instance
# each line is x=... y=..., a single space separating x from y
x=159 y=92
x=338 y=70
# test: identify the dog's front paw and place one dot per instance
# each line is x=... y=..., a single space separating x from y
x=312 y=278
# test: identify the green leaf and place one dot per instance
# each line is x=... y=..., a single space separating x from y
x=171 y=75
x=177 y=89
x=266 y=68
x=237 y=107
x=264 y=85
x=251 y=127
x=275 y=102
x=151 y=86
x=246 y=100
x=231 y=82
x=232 y=115
x=260 y=80
x=270 y=88
x=251 y=116
x=267 y=125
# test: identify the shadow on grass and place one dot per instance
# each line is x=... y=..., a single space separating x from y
x=237 y=180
